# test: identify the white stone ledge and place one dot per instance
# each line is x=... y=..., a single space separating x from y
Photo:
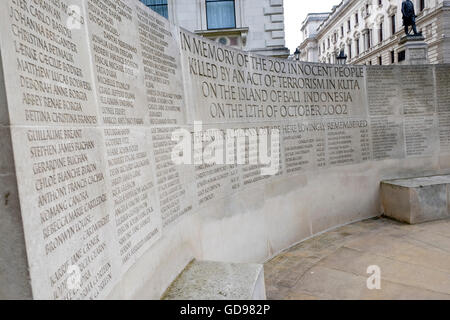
x=207 y=280
x=275 y=43
x=274 y=26
x=417 y=200
x=273 y=10
x=277 y=18
x=276 y=2
x=278 y=35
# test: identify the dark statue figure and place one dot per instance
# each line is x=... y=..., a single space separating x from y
x=409 y=17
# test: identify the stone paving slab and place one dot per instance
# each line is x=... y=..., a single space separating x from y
x=414 y=261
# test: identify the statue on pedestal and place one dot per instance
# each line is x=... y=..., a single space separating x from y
x=409 y=17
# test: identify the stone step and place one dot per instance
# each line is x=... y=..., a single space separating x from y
x=416 y=200
x=208 y=280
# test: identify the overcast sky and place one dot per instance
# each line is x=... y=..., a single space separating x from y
x=295 y=12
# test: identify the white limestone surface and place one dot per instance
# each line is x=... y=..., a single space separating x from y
x=416 y=200
x=208 y=280
x=92 y=95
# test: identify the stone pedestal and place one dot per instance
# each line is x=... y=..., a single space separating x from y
x=416 y=200
x=413 y=50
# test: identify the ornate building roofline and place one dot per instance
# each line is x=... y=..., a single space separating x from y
x=315 y=16
x=336 y=12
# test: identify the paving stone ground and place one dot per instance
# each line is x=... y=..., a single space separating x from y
x=414 y=261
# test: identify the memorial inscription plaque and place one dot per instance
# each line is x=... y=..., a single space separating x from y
x=227 y=85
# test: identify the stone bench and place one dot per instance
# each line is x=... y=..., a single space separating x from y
x=417 y=200
x=207 y=280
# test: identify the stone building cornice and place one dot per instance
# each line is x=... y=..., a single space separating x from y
x=339 y=11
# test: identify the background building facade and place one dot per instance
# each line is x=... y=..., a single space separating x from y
x=251 y=25
x=368 y=32
x=309 y=48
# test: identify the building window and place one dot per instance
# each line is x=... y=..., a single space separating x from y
x=220 y=14
x=369 y=39
x=342 y=31
x=381 y=32
x=392 y=56
x=421 y=5
x=393 y=26
x=401 y=56
x=380 y=60
x=159 y=6
x=350 y=51
x=380 y=2
x=357 y=47
x=356 y=18
x=349 y=25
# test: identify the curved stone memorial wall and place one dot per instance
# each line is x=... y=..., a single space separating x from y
x=99 y=97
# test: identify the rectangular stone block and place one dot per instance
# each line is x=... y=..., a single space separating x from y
x=416 y=200
x=273 y=10
x=208 y=280
x=276 y=18
x=276 y=2
x=278 y=35
x=275 y=42
x=274 y=26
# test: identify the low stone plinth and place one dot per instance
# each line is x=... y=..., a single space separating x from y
x=206 y=280
x=417 y=200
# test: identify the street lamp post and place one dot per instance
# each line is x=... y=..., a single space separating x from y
x=297 y=54
x=341 y=58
